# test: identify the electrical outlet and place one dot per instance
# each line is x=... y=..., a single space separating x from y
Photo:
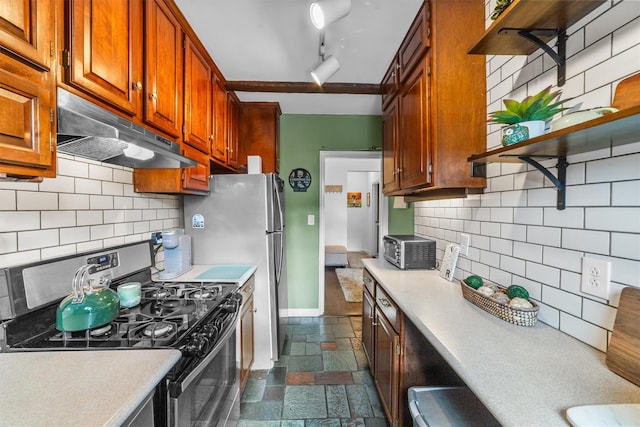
x=596 y=277
x=465 y=241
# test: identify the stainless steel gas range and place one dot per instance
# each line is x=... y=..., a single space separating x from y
x=197 y=318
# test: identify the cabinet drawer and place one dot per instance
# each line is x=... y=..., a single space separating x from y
x=388 y=307
x=369 y=282
x=415 y=42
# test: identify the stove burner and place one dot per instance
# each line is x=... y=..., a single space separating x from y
x=160 y=293
x=100 y=331
x=158 y=329
x=202 y=295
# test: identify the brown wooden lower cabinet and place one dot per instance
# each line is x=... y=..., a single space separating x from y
x=399 y=355
x=246 y=332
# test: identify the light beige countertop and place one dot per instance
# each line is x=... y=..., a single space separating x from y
x=523 y=375
x=78 y=388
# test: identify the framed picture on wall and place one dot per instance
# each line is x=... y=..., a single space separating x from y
x=354 y=199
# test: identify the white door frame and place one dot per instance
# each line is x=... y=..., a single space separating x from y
x=382 y=206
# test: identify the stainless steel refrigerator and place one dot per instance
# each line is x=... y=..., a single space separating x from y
x=241 y=221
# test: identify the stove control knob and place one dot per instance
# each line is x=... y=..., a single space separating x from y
x=197 y=346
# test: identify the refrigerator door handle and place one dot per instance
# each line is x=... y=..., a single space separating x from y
x=280 y=259
x=276 y=195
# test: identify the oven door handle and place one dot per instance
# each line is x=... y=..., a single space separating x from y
x=184 y=383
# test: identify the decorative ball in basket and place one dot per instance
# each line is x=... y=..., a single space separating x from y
x=510 y=304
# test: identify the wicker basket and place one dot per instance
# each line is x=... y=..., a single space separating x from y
x=517 y=316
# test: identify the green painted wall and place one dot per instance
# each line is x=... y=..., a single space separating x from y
x=302 y=137
x=400 y=220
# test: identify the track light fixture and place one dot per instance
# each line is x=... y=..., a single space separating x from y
x=327 y=68
x=325 y=12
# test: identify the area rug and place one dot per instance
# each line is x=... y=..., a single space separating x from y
x=351 y=283
x=355 y=259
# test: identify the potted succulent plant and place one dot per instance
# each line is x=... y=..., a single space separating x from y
x=527 y=118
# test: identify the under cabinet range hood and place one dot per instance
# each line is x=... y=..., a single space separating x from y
x=90 y=131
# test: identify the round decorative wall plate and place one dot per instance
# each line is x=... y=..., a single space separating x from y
x=299 y=179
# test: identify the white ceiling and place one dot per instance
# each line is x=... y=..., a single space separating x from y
x=274 y=41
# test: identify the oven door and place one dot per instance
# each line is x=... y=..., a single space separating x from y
x=209 y=395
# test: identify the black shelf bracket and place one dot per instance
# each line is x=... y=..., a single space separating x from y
x=559 y=58
x=560 y=181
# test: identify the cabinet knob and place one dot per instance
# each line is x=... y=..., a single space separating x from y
x=384 y=302
x=153 y=96
x=210 y=137
x=136 y=85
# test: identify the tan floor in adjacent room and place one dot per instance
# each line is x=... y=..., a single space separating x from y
x=334 y=302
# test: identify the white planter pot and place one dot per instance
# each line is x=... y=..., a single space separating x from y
x=536 y=127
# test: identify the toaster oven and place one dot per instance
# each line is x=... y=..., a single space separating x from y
x=410 y=252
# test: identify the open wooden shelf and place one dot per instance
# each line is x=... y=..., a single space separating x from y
x=611 y=130
x=546 y=17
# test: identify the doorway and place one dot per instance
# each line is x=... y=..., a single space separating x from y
x=343 y=172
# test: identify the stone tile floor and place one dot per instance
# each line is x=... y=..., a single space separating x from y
x=322 y=379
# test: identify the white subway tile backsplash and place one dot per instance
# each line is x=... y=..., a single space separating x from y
x=592 y=55
x=8 y=242
x=564 y=301
x=549 y=315
x=548 y=236
x=512 y=265
x=73 y=201
x=529 y=216
x=113 y=216
x=502 y=214
x=500 y=277
x=60 y=184
x=472 y=227
x=36 y=239
x=88 y=186
x=123 y=229
x=101 y=231
x=584 y=331
x=513 y=232
x=562 y=258
x=74 y=235
x=626 y=36
x=57 y=251
x=618 y=66
x=625 y=272
x=490 y=229
x=67 y=166
x=589 y=195
x=528 y=179
x=89 y=217
x=625 y=219
x=611 y=20
x=620 y=168
x=112 y=188
x=501 y=183
x=490 y=258
x=100 y=173
x=625 y=193
x=57 y=219
x=7 y=200
x=501 y=246
x=586 y=240
x=527 y=251
x=543 y=274
x=513 y=198
x=625 y=245
x=599 y=314
x=541 y=197
x=18 y=221
x=141 y=227
x=100 y=202
x=124 y=176
x=570 y=217
x=19 y=258
x=141 y=203
x=35 y=201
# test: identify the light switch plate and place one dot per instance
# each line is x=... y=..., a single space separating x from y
x=311 y=219
x=465 y=241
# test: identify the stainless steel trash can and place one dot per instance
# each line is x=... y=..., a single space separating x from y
x=447 y=406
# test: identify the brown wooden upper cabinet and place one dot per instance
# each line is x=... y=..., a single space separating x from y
x=103 y=53
x=27 y=89
x=219 y=141
x=428 y=132
x=259 y=134
x=163 y=69
x=198 y=106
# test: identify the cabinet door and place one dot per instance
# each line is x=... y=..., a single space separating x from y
x=25 y=122
x=259 y=133
x=246 y=341
x=196 y=177
x=232 y=132
x=105 y=45
x=368 y=328
x=415 y=150
x=197 y=99
x=390 y=148
x=219 y=142
x=163 y=80
x=26 y=29
x=386 y=369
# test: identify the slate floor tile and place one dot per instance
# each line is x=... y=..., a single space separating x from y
x=298 y=348
x=305 y=363
x=312 y=349
x=359 y=401
x=304 y=401
x=338 y=377
x=273 y=392
x=277 y=376
x=339 y=361
x=327 y=422
x=299 y=378
x=328 y=345
x=254 y=391
x=269 y=410
x=352 y=422
x=337 y=403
